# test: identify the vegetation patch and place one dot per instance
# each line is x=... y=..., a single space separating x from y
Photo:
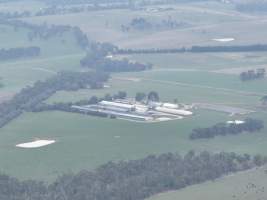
x=136 y=179
x=223 y=129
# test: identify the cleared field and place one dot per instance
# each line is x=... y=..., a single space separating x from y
x=245 y=185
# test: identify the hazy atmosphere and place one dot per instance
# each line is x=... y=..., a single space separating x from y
x=133 y=100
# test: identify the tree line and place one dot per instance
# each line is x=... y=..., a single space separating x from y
x=253 y=74
x=67 y=106
x=45 y=31
x=264 y=100
x=99 y=61
x=19 y=52
x=96 y=52
x=134 y=179
x=198 y=49
x=223 y=129
x=130 y=3
x=142 y=24
x=31 y=96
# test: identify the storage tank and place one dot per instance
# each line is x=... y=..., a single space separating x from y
x=173 y=111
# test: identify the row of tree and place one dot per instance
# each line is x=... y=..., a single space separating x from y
x=16 y=14
x=20 y=52
x=223 y=129
x=29 y=97
x=151 y=96
x=198 y=49
x=129 y=3
x=142 y=24
x=44 y=31
x=95 y=51
x=98 y=62
x=132 y=180
x=253 y=74
x=67 y=106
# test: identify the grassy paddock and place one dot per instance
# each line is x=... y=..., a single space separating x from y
x=85 y=142
x=57 y=54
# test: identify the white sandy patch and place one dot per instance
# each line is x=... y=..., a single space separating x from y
x=36 y=144
x=106 y=86
x=223 y=39
x=236 y=122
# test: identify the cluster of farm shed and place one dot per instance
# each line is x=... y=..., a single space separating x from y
x=138 y=111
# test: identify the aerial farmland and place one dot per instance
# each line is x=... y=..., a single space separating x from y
x=123 y=86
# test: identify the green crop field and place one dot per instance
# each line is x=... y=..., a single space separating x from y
x=84 y=142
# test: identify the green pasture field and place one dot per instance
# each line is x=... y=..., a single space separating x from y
x=236 y=186
x=203 y=21
x=168 y=92
x=85 y=142
x=20 y=6
x=57 y=54
x=190 y=78
x=203 y=61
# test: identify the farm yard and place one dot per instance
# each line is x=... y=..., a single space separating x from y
x=210 y=81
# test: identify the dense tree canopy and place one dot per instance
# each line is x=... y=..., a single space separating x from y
x=132 y=180
x=198 y=49
x=249 y=125
x=20 y=52
x=98 y=62
x=252 y=74
x=31 y=96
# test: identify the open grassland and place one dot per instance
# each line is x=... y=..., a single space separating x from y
x=241 y=186
x=19 y=6
x=190 y=78
x=189 y=81
x=57 y=53
x=202 y=62
x=204 y=24
x=84 y=142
